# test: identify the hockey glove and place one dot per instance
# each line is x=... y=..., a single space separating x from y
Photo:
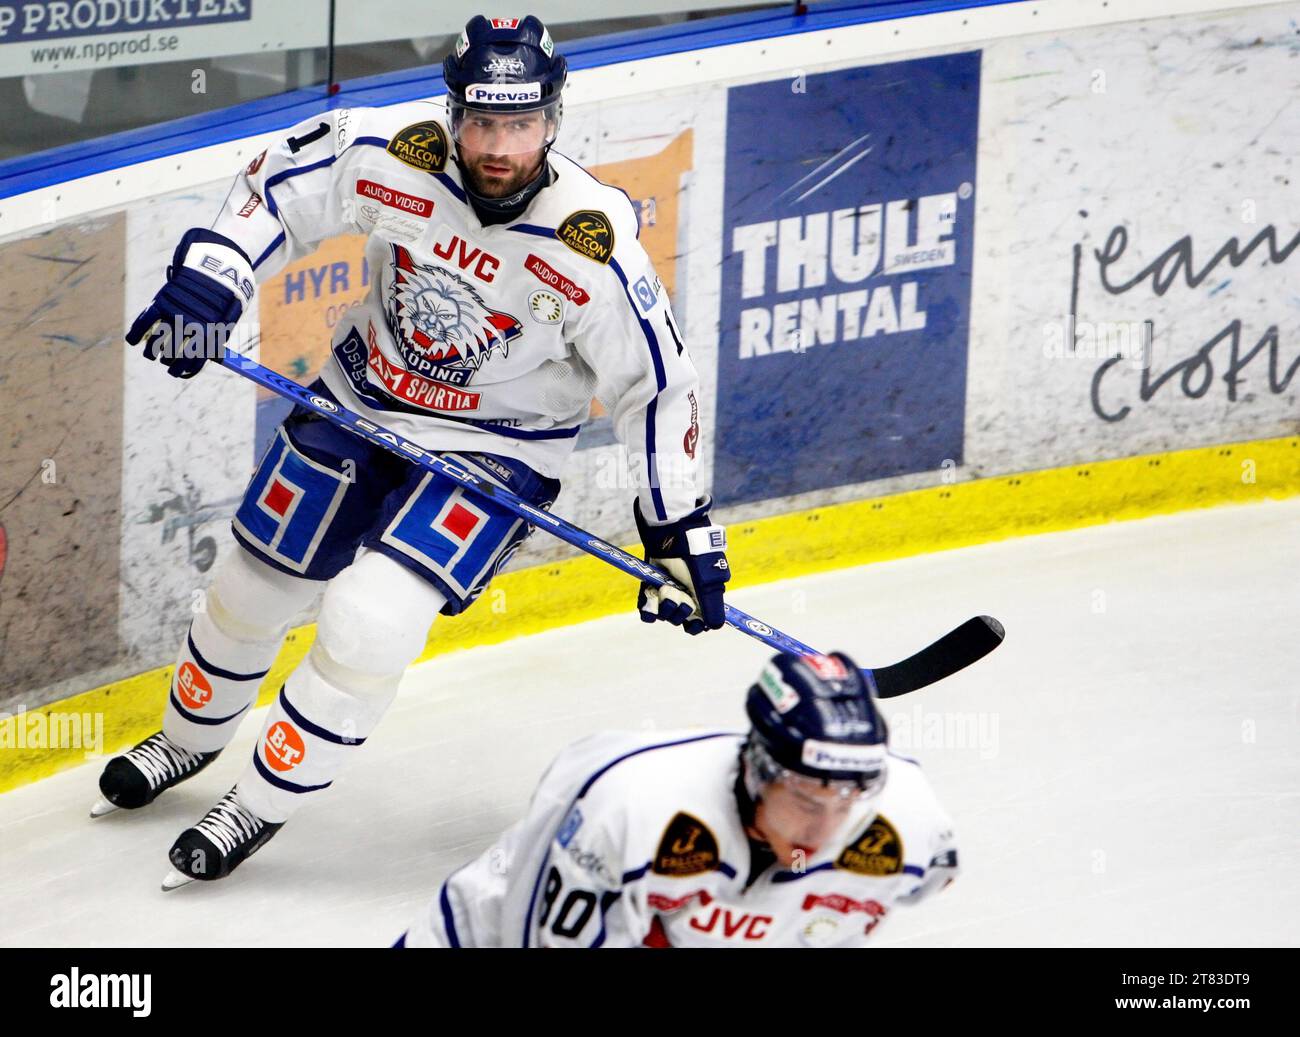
x=209 y=283
x=692 y=551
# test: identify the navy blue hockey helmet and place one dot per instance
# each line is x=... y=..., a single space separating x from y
x=505 y=65
x=815 y=715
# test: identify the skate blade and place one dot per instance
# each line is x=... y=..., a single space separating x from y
x=101 y=807
x=174 y=880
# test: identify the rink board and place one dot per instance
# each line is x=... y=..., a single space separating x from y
x=775 y=548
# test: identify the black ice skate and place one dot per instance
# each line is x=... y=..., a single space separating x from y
x=137 y=777
x=228 y=835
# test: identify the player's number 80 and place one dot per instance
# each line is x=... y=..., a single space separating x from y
x=575 y=910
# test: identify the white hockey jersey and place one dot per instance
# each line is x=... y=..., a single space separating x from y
x=636 y=840
x=477 y=338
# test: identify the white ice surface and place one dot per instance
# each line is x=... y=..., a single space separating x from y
x=1128 y=772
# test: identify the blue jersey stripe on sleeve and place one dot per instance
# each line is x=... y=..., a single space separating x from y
x=448 y=921
x=532 y=897
x=661 y=383
x=279 y=240
x=286 y=174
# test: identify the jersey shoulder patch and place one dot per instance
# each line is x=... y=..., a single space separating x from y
x=688 y=847
x=877 y=852
x=588 y=232
x=422 y=145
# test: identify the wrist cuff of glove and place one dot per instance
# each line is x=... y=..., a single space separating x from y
x=700 y=535
x=699 y=516
x=218 y=258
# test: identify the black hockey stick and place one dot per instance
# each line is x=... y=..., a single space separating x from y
x=956 y=650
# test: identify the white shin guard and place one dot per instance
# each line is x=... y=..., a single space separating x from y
x=229 y=648
x=373 y=623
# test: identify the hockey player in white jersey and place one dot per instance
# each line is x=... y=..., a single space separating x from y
x=509 y=288
x=807 y=831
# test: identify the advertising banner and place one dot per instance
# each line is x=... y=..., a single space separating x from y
x=847 y=245
x=1138 y=259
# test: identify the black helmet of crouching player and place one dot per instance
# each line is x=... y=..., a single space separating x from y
x=502 y=67
x=814 y=716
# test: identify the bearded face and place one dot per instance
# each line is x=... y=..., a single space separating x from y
x=503 y=152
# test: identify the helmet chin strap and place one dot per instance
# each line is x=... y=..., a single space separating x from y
x=745 y=803
x=761 y=853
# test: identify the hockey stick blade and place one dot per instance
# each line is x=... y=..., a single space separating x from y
x=957 y=649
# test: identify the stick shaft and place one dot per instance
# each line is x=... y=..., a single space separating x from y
x=566 y=531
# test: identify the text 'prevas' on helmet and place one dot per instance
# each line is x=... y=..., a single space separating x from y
x=504 y=80
x=815 y=716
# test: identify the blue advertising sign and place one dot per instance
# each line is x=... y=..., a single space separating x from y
x=848 y=230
